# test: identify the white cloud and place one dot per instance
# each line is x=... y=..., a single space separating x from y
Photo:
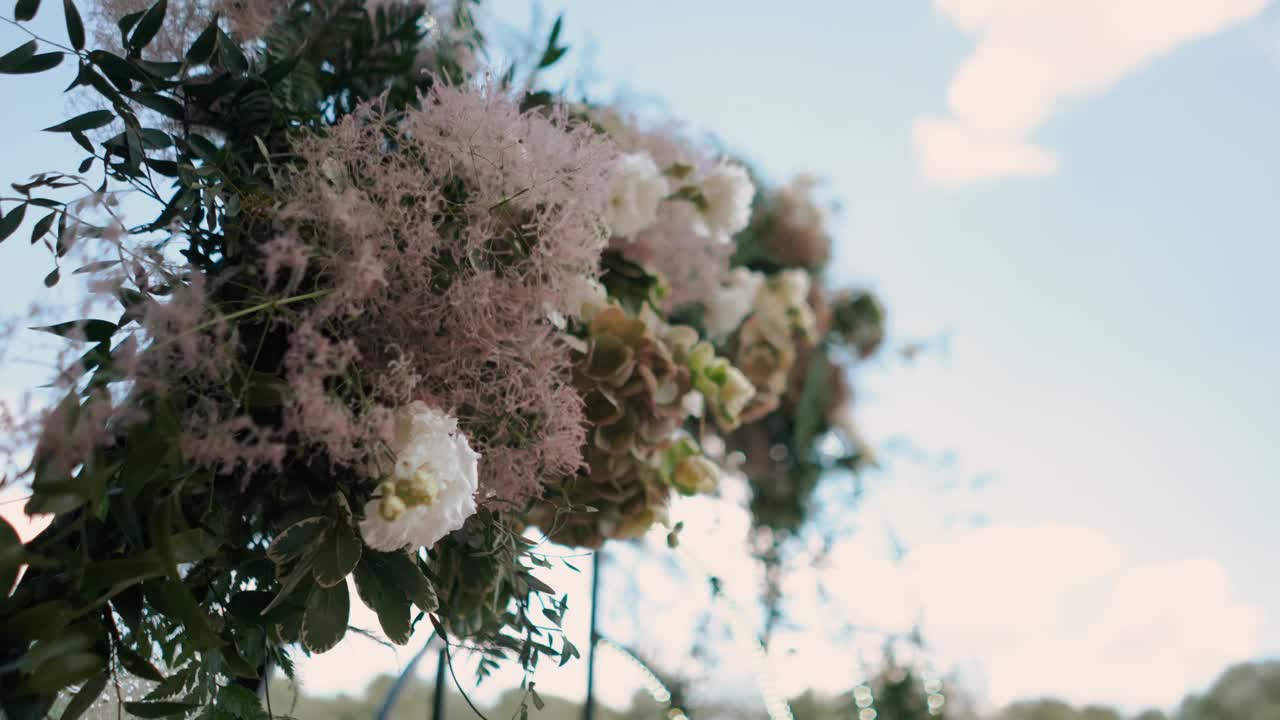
x=1064 y=611
x=1032 y=55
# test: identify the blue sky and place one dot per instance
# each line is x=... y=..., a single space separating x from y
x=1103 y=267
x=1112 y=322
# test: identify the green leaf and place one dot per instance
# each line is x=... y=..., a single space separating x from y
x=85 y=697
x=10 y=222
x=26 y=9
x=204 y=46
x=148 y=25
x=325 y=620
x=35 y=64
x=138 y=665
x=183 y=605
x=64 y=669
x=11 y=554
x=42 y=226
x=88 y=121
x=164 y=105
x=203 y=148
x=91 y=330
x=52 y=278
x=230 y=55
x=537 y=585
x=337 y=554
x=568 y=652
x=406 y=574
x=159 y=69
x=296 y=540
x=75 y=26
x=240 y=702
x=554 y=51
x=17 y=56
x=379 y=592
x=159 y=709
x=122 y=572
x=94 y=267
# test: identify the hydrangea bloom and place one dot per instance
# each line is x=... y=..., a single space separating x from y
x=431 y=491
x=728 y=192
x=726 y=310
x=637 y=189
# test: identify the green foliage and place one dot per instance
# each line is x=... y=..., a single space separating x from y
x=192 y=577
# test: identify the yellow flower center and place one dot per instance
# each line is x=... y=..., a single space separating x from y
x=422 y=488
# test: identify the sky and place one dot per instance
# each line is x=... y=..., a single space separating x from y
x=1073 y=201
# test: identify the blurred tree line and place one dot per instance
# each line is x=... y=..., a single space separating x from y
x=1250 y=691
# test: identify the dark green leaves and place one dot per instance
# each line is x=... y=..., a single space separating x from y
x=75 y=26
x=554 y=51
x=296 y=540
x=388 y=583
x=167 y=106
x=159 y=709
x=23 y=60
x=337 y=554
x=26 y=9
x=325 y=620
x=15 y=57
x=230 y=55
x=42 y=226
x=9 y=223
x=90 y=330
x=202 y=49
x=85 y=697
x=240 y=703
x=88 y=121
x=148 y=25
x=11 y=553
x=379 y=592
x=138 y=665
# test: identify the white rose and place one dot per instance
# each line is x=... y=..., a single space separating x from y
x=432 y=490
x=731 y=304
x=638 y=187
x=728 y=191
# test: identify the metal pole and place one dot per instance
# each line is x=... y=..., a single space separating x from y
x=589 y=707
x=393 y=695
x=437 y=697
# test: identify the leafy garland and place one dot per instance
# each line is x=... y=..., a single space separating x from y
x=208 y=516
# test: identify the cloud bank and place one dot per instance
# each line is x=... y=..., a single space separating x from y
x=1030 y=56
x=1063 y=610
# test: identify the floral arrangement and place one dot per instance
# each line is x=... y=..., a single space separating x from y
x=394 y=323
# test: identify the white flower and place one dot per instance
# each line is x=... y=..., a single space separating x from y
x=638 y=187
x=731 y=304
x=728 y=191
x=432 y=490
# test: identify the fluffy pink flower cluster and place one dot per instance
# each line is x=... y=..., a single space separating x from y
x=445 y=236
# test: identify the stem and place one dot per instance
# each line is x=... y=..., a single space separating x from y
x=23 y=28
x=437 y=696
x=270 y=304
x=589 y=705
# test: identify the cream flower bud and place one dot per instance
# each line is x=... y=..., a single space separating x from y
x=735 y=393
x=696 y=474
